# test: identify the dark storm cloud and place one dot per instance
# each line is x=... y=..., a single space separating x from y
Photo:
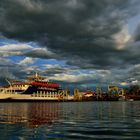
x=76 y=27
x=82 y=32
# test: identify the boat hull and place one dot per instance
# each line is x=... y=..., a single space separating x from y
x=30 y=97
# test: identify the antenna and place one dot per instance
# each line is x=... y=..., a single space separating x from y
x=8 y=82
x=36 y=74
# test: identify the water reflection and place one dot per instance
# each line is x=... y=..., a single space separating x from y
x=35 y=114
x=40 y=113
x=95 y=110
x=31 y=114
x=70 y=120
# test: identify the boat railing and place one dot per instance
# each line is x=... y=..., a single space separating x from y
x=2 y=90
x=6 y=91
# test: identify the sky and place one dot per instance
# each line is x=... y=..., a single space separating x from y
x=81 y=43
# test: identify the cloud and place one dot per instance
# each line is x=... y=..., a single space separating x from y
x=8 y=69
x=43 y=53
x=76 y=75
x=137 y=33
x=88 y=34
x=5 y=62
x=26 y=61
x=135 y=82
x=12 y=70
x=134 y=73
x=14 y=49
x=121 y=38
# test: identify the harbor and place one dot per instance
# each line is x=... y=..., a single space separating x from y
x=38 y=88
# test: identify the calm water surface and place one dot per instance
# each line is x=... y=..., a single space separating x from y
x=70 y=120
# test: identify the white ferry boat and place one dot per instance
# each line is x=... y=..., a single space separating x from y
x=36 y=89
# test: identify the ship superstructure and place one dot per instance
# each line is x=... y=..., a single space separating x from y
x=14 y=87
x=42 y=87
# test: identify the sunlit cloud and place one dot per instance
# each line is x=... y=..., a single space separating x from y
x=14 y=49
x=27 y=61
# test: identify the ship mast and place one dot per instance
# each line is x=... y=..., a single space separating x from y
x=36 y=77
x=8 y=82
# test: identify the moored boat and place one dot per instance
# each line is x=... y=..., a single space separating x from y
x=37 y=88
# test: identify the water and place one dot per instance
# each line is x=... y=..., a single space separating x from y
x=70 y=120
